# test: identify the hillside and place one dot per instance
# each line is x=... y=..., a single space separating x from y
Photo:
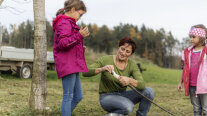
x=14 y=93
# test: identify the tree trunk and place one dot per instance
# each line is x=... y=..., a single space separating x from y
x=37 y=99
x=1 y=34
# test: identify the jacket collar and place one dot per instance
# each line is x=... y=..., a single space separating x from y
x=61 y=17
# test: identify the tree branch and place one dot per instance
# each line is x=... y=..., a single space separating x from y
x=1 y=1
x=19 y=2
x=13 y=10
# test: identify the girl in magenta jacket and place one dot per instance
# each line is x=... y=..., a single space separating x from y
x=68 y=52
x=194 y=74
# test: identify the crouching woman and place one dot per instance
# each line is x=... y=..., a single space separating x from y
x=114 y=98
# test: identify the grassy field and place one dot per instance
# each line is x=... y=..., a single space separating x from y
x=14 y=94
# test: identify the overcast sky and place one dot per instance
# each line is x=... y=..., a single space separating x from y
x=176 y=16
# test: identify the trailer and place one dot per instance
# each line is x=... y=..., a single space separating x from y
x=20 y=60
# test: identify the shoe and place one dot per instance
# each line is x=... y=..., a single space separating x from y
x=113 y=114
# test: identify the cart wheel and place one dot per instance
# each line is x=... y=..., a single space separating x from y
x=25 y=71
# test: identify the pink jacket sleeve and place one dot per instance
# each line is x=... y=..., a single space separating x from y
x=66 y=38
x=182 y=59
x=182 y=56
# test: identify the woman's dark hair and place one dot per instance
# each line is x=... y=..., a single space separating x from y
x=201 y=39
x=69 y=4
x=129 y=41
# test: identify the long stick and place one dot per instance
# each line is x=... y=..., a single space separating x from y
x=133 y=88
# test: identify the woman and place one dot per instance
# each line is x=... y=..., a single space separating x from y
x=113 y=95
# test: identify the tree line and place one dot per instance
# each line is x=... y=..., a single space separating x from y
x=159 y=46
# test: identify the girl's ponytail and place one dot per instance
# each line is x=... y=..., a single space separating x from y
x=60 y=11
x=69 y=4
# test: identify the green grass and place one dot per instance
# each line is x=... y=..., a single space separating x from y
x=155 y=74
x=14 y=93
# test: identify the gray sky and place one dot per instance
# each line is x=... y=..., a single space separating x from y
x=176 y=16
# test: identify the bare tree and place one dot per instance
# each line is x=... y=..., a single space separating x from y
x=13 y=9
x=37 y=99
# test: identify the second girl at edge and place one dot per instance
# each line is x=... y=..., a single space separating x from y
x=194 y=77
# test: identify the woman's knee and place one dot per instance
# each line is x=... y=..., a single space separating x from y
x=149 y=92
x=129 y=107
x=125 y=108
x=117 y=104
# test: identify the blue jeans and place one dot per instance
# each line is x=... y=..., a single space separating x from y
x=72 y=93
x=123 y=102
x=199 y=103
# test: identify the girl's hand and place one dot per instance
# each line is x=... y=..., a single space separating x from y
x=84 y=32
x=180 y=87
x=124 y=80
x=109 y=68
x=85 y=48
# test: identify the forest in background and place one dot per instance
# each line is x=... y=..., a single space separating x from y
x=159 y=46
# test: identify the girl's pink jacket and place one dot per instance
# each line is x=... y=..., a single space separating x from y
x=68 y=47
x=202 y=74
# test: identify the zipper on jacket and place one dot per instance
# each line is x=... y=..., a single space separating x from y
x=72 y=43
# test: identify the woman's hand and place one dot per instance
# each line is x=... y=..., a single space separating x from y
x=124 y=80
x=84 y=32
x=108 y=68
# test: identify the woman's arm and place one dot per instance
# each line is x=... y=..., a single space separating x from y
x=98 y=70
x=126 y=81
x=133 y=82
x=98 y=67
x=94 y=71
x=137 y=76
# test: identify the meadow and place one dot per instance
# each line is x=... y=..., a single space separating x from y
x=14 y=93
